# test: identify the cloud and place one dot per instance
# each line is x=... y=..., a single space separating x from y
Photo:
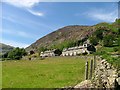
x=14 y=43
x=36 y=13
x=22 y=3
x=25 y=4
x=102 y=15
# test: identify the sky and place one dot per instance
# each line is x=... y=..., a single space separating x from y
x=25 y=21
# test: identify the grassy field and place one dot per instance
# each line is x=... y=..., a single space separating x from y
x=51 y=72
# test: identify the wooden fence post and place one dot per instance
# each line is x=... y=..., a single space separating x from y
x=91 y=69
x=86 y=70
x=94 y=62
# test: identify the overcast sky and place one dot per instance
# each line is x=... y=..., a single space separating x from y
x=25 y=21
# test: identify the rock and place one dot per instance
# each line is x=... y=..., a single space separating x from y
x=104 y=77
x=102 y=62
x=108 y=67
x=111 y=80
x=109 y=72
x=115 y=76
x=102 y=68
x=85 y=84
x=118 y=73
x=118 y=80
x=99 y=73
x=105 y=63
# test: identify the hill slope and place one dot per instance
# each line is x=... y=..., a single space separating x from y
x=68 y=33
x=5 y=48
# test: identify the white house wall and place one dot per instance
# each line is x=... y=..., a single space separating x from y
x=75 y=52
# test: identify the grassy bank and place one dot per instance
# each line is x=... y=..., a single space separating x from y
x=51 y=72
x=111 y=54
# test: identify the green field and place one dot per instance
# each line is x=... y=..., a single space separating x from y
x=54 y=72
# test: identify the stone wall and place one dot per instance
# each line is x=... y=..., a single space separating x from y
x=105 y=76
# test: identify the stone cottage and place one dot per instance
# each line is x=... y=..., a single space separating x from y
x=48 y=53
x=73 y=51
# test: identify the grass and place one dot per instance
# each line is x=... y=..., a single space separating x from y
x=109 y=53
x=54 y=72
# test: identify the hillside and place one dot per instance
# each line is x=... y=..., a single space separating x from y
x=72 y=35
x=68 y=33
x=5 y=48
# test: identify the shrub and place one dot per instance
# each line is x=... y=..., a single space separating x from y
x=108 y=41
x=99 y=33
x=94 y=40
x=91 y=48
x=16 y=53
x=115 y=49
x=58 y=52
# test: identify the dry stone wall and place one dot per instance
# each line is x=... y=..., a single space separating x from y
x=105 y=76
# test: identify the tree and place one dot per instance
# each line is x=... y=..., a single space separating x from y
x=99 y=34
x=16 y=53
x=32 y=52
x=91 y=48
x=119 y=45
x=119 y=31
x=24 y=53
x=11 y=55
x=108 y=40
x=58 y=52
x=42 y=49
x=5 y=55
x=93 y=41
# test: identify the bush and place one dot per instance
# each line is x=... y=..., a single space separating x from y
x=100 y=52
x=16 y=53
x=94 y=40
x=58 y=52
x=108 y=41
x=115 y=61
x=91 y=48
x=115 y=49
x=42 y=49
x=99 y=33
